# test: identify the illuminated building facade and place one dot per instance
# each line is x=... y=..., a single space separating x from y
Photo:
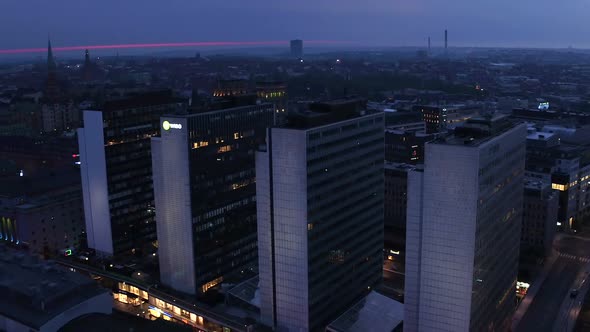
x=434 y=117
x=116 y=169
x=204 y=181
x=320 y=215
x=227 y=88
x=274 y=92
x=463 y=229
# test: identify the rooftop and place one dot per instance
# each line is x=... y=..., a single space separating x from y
x=142 y=100
x=35 y=291
x=399 y=166
x=374 y=313
x=478 y=130
x=540 y=135
x=56 y=181
x=317 y=114
x=120 y=322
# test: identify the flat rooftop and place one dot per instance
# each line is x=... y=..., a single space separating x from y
x=322 y=113
x=478 y=130
x=374 y=313
x=399 y=166
x=540 y=135
x=35 y=291
x=121 y=322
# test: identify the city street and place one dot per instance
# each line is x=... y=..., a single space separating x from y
x=552 y=308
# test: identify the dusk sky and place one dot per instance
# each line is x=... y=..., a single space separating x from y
x=527 y=23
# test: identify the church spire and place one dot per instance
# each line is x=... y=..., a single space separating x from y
x=50 y=59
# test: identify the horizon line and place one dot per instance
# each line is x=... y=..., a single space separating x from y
x=167 y=45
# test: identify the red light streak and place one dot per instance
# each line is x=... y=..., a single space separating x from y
x=165 y=45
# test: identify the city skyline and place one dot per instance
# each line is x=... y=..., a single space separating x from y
x=375 y=23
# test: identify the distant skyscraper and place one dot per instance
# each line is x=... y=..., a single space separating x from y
x=297 y=48
x=463 y=229
x=446 y=40
x=429 y=45
x=87 y=70
x=116 y=169
x=320 y=215
x=205 y=194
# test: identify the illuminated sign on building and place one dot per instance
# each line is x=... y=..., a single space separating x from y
x=543 y=106
x=166 y=125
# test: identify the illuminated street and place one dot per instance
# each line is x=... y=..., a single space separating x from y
x=552 y=306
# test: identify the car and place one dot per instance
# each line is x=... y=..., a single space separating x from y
x=574 y=293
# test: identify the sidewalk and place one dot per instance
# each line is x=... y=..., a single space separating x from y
x=532 y=292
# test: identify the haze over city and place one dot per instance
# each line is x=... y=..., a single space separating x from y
x=500 y=23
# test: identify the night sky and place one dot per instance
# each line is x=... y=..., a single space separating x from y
x=526 y=23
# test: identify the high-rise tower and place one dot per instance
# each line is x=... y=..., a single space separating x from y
x=297 y=48
x=446 y=40
x=464 y=213
x=319 y=185
x=205 y=194
x=116 y=169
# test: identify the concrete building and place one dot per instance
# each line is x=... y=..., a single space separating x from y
x=539 y=218
x=463 y=229
x=395 y=206
x=552 y=155
x=116 y=168
x=320 y=214
x=205 y=194
x=40 y=296
x=274 y=92
x=297 y=48
x=59 y=117
x=42 y=214
x=404 y=143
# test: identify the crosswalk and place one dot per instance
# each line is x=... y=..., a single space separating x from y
x=574 y=257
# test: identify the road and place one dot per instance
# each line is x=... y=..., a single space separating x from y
x=552 y=302
x=393 y=279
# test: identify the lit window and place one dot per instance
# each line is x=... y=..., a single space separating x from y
x=200 y=144
x=211 y=284
x=236 y=135
x=309 y=226
x=225 y=148
x=560 y=187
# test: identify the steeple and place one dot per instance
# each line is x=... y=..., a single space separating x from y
x=50 y=59
x=87 y=70
x=52 y=90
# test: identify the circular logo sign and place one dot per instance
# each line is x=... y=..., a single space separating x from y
x=166 y=125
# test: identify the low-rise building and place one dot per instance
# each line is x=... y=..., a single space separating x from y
x=41 y=296
x=43 y=214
